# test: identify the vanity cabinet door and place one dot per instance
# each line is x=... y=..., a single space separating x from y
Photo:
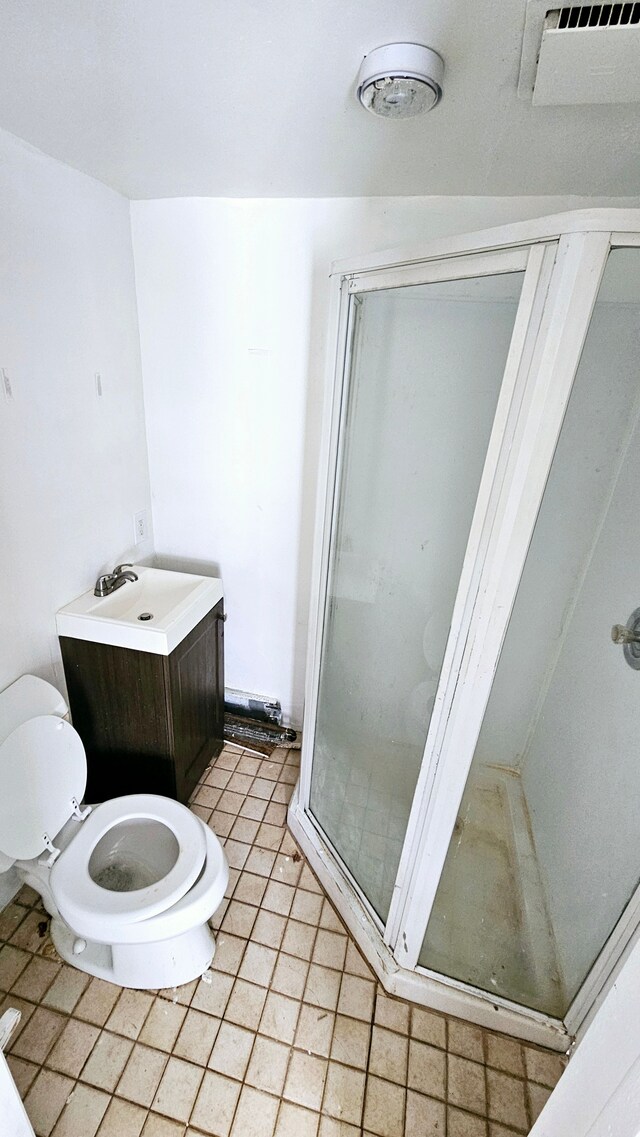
x=149 y=723
x=195 y=675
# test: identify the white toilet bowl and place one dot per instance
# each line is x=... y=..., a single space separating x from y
x=129 y=884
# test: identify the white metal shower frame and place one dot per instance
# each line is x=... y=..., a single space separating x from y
x=563 y=257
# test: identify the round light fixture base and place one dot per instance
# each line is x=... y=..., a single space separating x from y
x=400 y=80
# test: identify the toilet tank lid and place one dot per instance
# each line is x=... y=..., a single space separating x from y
x=25 y=699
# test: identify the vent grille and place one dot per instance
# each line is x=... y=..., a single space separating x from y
x=594 y=16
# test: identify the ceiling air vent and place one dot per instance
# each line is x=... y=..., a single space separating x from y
x=579 y=54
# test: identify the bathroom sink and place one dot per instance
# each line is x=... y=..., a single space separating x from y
x=153 y=613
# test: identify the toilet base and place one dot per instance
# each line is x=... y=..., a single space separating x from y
x=167 y=963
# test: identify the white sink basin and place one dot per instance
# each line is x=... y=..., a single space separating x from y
x=177 y=601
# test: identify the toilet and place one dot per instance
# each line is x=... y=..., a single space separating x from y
x=129 y=884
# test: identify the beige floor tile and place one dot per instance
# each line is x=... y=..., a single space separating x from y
x=239 y=919
x=504 y=1054
x=461 y=1124
x=351 y=1040
x=10 y=919
x=236 y=853
x=278 y=897
x=66 y=989
x=122 y=1119
x=391 y=1013
x=388 y=1056
x=258 y=964
x=356 y=997
x=538 y=1098
x=83 y=1113
x=268 y=1065
x=230 y=802
x=425 y=1117
x=496 y=1130
x=269 y=836
x=250 y=889
x=73 y=1047
x=157 y=1126
x=255 y=809
x=31 y=932
x=229 y=952
x=322 y=987
x=240 y=783
x=290 y=976
x=427 y=1026
x=466 y=1086
x=46 y=1100
x=97 y=1002
x=306 y=907
x=344 y=1093
x=465 y=1040
x=178 y=1089
x=279 y=1017
x=330 y=949
x=246 y=1004
x=330 y=920
x=107 y=1061
x=315 y=1030
x=294 y=1121
x=212 y=994
x=142 y=1075
x=36 y=979
x=245 y=829
x=384 y=1108
x=182 y=995
x=162 y=1024
x=543 y=1067
x=305 y=1080
x=230 y=1054
x=286 y=868
x=197 y=1036
x=308 y=881
x=331 y=1127
x=129 y=1013
x=262 y=788
x=269 y=929
x=256 y=1114
x=39 y=1035
x=299 y=939
x=355 y=963
x=22 y=1072
x=427 y=1069
x=507 y=1102
x=221 y=823
x=215 y=1104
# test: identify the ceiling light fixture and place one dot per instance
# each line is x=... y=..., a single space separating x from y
x=400 y=80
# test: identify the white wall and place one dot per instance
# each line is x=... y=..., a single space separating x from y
x=232 y=299
x=73 y=467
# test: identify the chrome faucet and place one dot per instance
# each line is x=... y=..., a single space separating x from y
x=108 y=583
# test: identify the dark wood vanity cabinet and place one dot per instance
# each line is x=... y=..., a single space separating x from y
x=149 y=723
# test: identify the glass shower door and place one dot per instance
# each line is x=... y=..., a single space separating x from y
x=424 y=376
x=541 y=878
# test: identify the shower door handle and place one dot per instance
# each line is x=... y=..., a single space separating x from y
x=629 y=636
x=621 y=634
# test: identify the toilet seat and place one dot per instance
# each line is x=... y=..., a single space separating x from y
x=84 y=903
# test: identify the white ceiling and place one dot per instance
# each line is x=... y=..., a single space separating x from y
x=163 y=98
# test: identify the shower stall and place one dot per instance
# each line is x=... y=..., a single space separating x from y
x=470 y=783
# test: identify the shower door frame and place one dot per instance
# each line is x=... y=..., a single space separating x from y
x=565 y=256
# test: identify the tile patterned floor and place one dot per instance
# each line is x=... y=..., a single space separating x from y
x=288 y=1036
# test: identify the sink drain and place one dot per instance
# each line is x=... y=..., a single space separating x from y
x=146 y=616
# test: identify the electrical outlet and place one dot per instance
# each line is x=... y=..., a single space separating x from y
x=141 y=526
